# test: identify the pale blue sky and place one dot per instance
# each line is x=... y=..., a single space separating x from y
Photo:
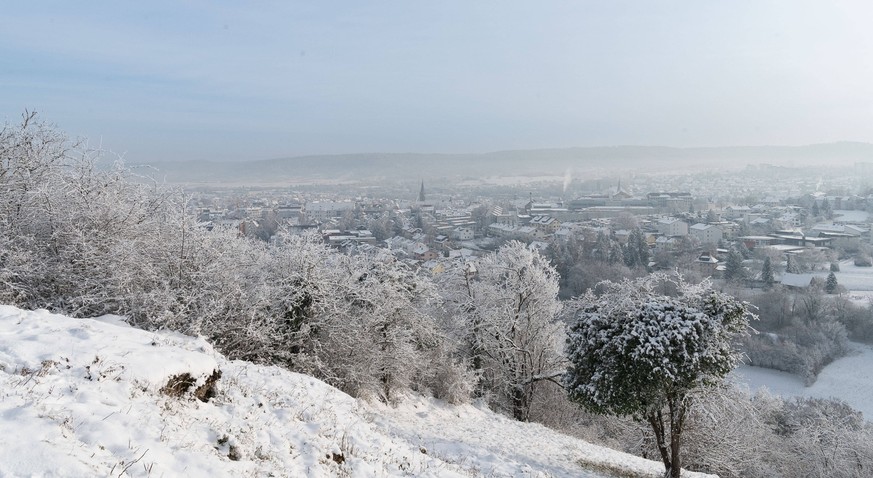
x=252 y=80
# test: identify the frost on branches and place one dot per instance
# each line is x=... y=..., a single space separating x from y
x=642 y=347
x=508 y=306
x=86 y=237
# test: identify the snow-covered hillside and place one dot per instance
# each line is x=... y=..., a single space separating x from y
x=90 y=397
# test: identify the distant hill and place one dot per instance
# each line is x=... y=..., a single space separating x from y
x=499 y=163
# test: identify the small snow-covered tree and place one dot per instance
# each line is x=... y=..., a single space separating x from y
x=511 y=311
x=616 y=253
x=634 y=351
x=767 y=273
x=831 y=283
x=791 y=265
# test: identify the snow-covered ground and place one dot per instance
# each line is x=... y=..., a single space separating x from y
x=86 y=397
x=852 y=277
x=849 y=379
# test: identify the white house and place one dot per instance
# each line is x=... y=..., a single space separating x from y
x=671 y=226
x=462 y=233
x=706 y=233
x=323 y=210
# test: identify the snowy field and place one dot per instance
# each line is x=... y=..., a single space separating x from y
x=88 y=397
x=849 y=379
x=852 y=277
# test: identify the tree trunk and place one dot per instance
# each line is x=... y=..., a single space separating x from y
x=521 y=403
x=656 y=420
x=677 y=420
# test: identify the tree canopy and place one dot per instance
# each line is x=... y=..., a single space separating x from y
x=645 y=345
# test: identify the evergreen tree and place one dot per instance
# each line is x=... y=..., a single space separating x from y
x=743 y=250
x=616 y=253
x=602 y=247
x=831 y=283
x=826 y=208
x=642 y=248
x=634 y=352
x=636 y=252
x=631 y=255
x=711 y=216
x=767 y=273
x=630 y=251
x=816 y=212
x=734 y=270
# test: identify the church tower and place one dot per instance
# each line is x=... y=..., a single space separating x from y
x=421 y=193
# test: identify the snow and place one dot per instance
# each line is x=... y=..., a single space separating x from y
x=855 y=279
x=82 y=397
x=847 y=378
x=852 y=277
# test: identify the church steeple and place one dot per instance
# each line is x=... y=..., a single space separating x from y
x=421 y=193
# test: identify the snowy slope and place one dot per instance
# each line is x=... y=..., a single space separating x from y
x=847 y=378
x=86 y=397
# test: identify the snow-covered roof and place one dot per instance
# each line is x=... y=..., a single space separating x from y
x=707 y=259
x=843 y=215
x=702 y=227
x=796 y=280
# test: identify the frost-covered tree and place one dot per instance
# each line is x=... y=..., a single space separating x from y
x=616 y=253
x=86 y=236
x=511 y=312
x=791 y=265
x=635 y=351
x=77 y=217
x=767 y=273
x=831 y=284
